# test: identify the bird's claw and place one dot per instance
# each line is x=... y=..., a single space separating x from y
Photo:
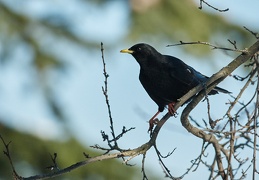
x=171 y=109
x=151 y=124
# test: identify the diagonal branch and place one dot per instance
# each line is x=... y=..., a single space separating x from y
x=211 y=83
x=8 y=154
x=134 y=152
x=220 y=10
x=211 y=45
x=105 y=93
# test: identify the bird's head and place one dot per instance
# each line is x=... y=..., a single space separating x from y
x=142 y=52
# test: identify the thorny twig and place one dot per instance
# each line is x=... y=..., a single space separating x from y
x=255 y=122
x=54 y=161
x=209 y=44
x=164 y=167
x=8 y=155
x=143 y=167
x=210 y=137
x=104 y=135
x=202 y=1
x=253 y=33
x=105 y=93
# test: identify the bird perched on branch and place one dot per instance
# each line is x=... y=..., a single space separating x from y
x=165 y=78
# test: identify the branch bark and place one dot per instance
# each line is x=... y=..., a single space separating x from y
x=211 y=83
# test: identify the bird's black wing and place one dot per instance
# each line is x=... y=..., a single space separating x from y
x=182 y=72
x=188 y=75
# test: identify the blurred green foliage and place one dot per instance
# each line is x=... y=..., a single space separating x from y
x=174 y=21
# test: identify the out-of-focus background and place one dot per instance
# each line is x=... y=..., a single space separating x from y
x=51 y=78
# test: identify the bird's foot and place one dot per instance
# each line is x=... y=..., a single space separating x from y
x=151 y=124
x=152 y=121
x=171 y=109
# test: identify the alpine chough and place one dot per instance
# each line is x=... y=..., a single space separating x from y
x=165 y=78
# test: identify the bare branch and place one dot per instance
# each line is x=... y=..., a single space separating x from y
x=143 y=167
x=202 y=1
x=253 y=33
x=165 y=169
x=211 y=83
x=8 y=155
x=255 y=123
x=53 y=159
x=105 y=93
x=209 y=44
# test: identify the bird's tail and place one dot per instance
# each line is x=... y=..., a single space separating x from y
x=222 y=90
x=217 y=89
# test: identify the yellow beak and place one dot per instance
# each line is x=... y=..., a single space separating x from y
x=126 y=51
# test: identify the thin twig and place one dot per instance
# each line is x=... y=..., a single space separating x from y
x=208 y=44
x=220 y=76
x=202 y=1
x=105 y=93
x=143 y=167
x=54 y=161
x=8 y=155
x=255 y=123
x=164 y=167
x=253 y=33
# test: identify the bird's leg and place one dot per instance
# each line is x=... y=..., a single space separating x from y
x=171 y=109
x=152 y=122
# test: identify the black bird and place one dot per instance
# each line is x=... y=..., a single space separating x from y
x=165 y=78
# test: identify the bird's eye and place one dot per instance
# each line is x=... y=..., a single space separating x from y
x=139 y=49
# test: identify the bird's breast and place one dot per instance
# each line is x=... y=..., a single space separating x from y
x=160 y=86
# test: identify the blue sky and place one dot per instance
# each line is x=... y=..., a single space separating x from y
x=79 y=90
